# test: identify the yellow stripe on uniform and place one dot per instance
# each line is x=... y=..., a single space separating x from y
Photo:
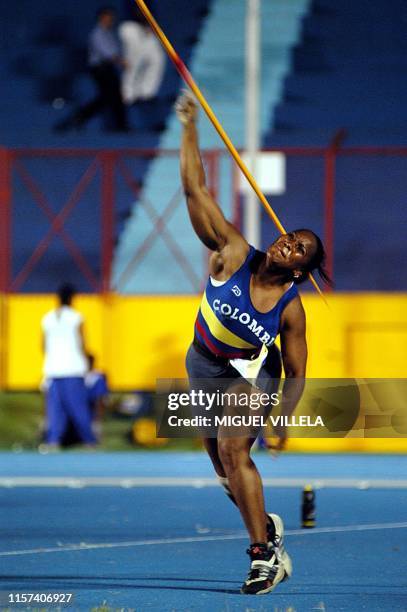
x=219 y=331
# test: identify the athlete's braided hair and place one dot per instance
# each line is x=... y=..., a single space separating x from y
x=317 y=261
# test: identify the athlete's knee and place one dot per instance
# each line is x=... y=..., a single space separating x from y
x=233 y=452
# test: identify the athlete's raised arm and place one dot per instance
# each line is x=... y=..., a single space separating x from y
x=207 y=218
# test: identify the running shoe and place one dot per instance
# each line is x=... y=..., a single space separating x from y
x=266 y=571
x=275 y=542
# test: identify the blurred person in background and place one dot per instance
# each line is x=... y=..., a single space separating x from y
x=105 y=63
x=143 y=56
x=97 y=393
x=65 y=367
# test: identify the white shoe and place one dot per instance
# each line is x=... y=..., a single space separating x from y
x=265 y=573
x=276 y=543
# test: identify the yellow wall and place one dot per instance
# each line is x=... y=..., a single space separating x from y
x=139 y=339
x=360 y=335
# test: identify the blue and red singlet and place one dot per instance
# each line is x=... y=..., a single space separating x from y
x=228 y=324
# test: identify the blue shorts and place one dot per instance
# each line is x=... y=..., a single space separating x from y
x=201 y=366
x=211 y=375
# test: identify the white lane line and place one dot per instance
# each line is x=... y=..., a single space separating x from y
x=237 y=535
x=127 y=483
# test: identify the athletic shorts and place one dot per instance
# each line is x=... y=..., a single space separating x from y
x=213 y=375
x=201 y=365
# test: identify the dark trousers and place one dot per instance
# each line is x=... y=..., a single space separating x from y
x=67 y=401
x=108 y=99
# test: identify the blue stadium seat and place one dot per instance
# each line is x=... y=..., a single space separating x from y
x=348 y=72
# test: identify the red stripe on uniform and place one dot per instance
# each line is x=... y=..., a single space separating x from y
x=214 y=348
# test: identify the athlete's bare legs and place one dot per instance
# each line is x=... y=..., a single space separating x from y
x=245 y=484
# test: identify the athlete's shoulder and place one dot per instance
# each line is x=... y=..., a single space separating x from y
x=231 y=259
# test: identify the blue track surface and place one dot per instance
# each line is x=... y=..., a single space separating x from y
x=183 y=548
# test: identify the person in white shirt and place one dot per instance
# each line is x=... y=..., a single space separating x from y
x=65 y=366
x=144 y=60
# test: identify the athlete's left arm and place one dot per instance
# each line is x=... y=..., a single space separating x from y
x=293 y=341
x=294 y=354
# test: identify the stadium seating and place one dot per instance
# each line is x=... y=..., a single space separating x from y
x=43 y=71
x=218 y=65
x=326 y=66
x=348 y=73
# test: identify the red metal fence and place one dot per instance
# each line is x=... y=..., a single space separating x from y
x=111 y=168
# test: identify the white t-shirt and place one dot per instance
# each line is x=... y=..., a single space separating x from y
x=63 y=347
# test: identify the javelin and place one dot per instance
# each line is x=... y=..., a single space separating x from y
x=187 y=76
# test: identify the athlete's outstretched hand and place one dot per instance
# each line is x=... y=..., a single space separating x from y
x=277 y=445
x=186 y=107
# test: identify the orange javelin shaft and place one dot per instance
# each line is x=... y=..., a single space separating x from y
x=187 y=76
